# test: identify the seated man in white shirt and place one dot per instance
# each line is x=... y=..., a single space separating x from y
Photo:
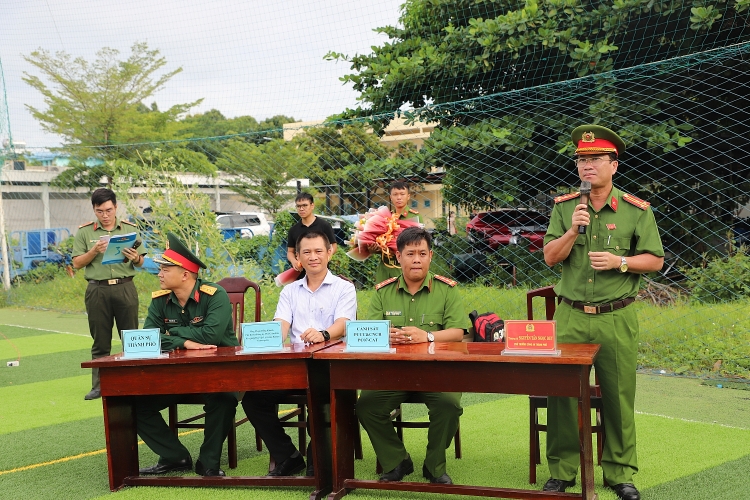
x=313 y=309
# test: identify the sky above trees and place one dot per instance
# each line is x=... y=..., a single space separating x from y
x=243 y=58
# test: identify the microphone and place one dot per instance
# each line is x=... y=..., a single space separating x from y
x=585 y=192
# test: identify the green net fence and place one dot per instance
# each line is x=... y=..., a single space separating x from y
x=472 y=104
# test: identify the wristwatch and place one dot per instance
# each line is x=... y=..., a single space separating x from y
x=326 y=335
x=623 y=265
x=430 y=337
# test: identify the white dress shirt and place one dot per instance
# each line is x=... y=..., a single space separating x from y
x=302 y=308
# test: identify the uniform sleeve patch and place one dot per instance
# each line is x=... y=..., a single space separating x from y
x=643 y=205
x=445 y=280
x=160 y=293
x=85 y=224
x=208 y=289
x=567 y=197
x=386 y=282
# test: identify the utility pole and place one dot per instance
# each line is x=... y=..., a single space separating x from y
x=4 y=124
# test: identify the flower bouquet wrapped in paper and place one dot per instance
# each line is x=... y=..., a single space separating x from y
x=376 y=232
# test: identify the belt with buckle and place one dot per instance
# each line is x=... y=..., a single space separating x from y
x=115 y=281
x=599 y=308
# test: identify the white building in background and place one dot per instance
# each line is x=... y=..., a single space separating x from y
x=31 y=203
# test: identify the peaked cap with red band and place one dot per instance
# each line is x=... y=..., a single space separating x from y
x=595 y=139
x=178 y=254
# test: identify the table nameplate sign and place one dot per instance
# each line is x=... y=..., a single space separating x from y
x=368 y=336
x=531 y=338
x=263 y=336
x=143 y=344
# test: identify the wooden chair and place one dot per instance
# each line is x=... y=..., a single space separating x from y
x=537 y=402
x=400 y=425
x=236 y=288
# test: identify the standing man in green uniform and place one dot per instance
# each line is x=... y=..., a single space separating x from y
x=388 y=267
x=601 y=273
x=422 y=307
x=191 y=314
x=111 y=294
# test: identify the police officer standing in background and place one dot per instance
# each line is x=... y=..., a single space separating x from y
x=601 y=274
x=111 y=295
x=190 y=313
x=422 y=307
x=388 y=267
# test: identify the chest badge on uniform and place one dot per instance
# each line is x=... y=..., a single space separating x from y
x=195 y=320
x=171 y=321
x=393 y=313
x=611 y=227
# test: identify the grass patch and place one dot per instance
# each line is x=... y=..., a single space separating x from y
x=42 y=344
x=46 y=367
x=46 y=403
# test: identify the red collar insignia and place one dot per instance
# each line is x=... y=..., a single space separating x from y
x=613 y=203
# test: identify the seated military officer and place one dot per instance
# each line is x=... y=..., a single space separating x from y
x=422 y=307
x=191 y=314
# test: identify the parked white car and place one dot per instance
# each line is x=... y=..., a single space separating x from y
x=243 y=224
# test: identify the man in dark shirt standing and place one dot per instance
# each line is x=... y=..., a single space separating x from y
x=191 y=314
x=308 y=222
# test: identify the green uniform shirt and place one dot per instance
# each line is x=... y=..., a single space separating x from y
x=393 y=270
x=620 y=228
x=87 y=237
x=205 y=319
x=436 y=305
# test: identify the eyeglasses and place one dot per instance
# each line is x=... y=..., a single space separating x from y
x=300 y=207
x=108 y=211
x=590 y=160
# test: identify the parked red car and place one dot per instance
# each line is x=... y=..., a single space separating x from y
x=507 y=226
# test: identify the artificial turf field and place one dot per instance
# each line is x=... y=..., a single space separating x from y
x=693 y=440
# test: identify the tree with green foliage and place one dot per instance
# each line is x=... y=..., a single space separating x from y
x=263 y=171
x=503 y=79
x=100 y=103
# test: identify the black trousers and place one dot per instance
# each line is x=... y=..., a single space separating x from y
x=261 y=408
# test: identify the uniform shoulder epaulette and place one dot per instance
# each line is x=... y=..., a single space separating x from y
x=159 y=293
x=386 y=282
x=445 y=280
x=85 y=224
x=413 y=211
x=208 y=289
x=566 y=197
x=128 y=223
x=642 y=204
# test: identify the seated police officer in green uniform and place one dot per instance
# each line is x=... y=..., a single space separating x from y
x=191 y=314
x=422 y=307
x=601 y=273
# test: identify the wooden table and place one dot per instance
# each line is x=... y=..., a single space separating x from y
x=454 y=367
x=225 y=369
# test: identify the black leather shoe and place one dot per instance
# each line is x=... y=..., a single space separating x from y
x=558 y=484
x=626 y=491
x=93 y=394
x=444 y=479
x=289 y=467
x=405 y=468
x=201 y=470
x=183 y=465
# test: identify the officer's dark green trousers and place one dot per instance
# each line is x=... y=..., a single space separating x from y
x=106 y=304
x=615 y=365
x=220 y=408
x=374 y=409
